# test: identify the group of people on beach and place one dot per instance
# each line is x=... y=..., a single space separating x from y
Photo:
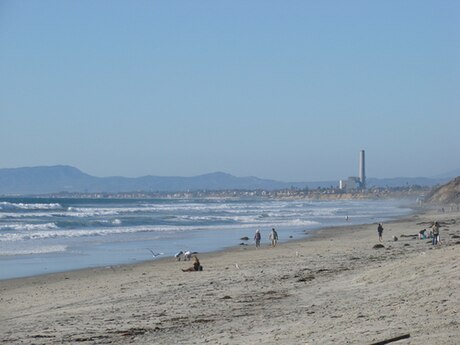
x=433 y=233
x=273 y=238
x=196 y=266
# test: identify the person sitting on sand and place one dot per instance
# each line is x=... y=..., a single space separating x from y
x=196 y=266
x=380 y=231
x=422 y=234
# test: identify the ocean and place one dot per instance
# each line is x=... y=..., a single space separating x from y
x=44 y=235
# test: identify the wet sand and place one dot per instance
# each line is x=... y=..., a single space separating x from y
x=334 y=288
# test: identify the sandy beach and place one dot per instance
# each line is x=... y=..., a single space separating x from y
x=334 y=288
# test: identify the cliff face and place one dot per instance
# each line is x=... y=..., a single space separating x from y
x=446 y=194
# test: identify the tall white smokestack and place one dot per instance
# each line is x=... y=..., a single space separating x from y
x=362 y=169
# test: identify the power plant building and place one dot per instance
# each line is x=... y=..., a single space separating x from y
x=362 y=169
x=353 y=182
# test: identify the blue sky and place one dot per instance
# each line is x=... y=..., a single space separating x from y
x=288 y=90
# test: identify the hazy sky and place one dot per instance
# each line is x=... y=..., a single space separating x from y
x=288 y=90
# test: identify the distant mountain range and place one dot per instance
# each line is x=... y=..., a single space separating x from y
x=61 y=178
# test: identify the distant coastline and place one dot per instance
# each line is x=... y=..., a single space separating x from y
x=287 y=194
x=55 y=180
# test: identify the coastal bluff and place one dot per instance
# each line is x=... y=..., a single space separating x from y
x=448 y=193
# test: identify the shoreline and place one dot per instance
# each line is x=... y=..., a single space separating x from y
x=311 y=235
x=107 y=233
x=331 y=287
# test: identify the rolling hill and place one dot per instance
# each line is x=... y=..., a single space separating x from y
x=63 y=178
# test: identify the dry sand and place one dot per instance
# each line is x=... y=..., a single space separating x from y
x=330 y=289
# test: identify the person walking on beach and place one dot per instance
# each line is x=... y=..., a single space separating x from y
x=380 y=231
x=274 y=237
x=435 y=233
x=257 y=238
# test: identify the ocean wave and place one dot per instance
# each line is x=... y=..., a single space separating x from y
x=4 y=205
x=215 y=212
x=13 y=237
x=109 y=222
x=94 y=213
x=91 y=212
x=147 y=208
x=28 y=227
x=60 y=233
x=75 y=214
x=217 y=218
x=324 y=212
x=191 y=208
x=11 y=215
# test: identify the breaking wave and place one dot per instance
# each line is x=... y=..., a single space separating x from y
x=4 y=205
x=48 y=231
x=28 y=227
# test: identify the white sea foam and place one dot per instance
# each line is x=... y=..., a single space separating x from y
x=28 y=227
x=324 y=212
x=4 y=205
x=4 y=215
x=82 y=214
x=60 y=233
x=218 y=218
x=13 y=237
x=91 y=212
x=109 y=221
x=176 y=208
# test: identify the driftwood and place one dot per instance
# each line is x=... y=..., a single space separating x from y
x=387 y=341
